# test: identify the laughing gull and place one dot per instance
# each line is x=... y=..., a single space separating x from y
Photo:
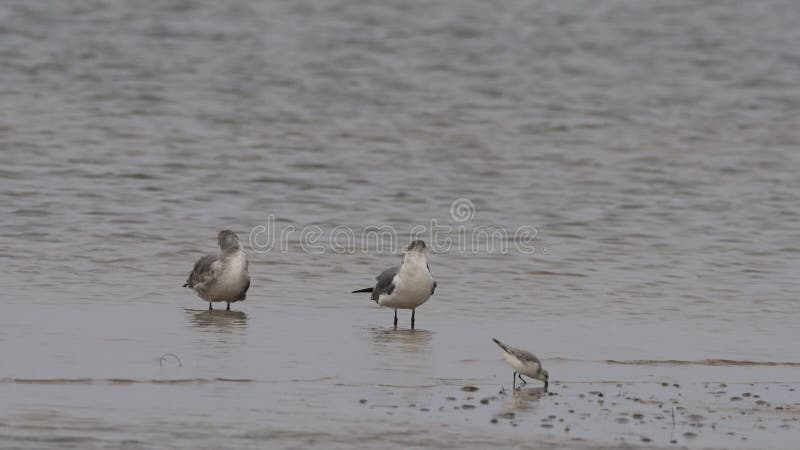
x=524 y=363
x=224 y=277
x=406 y=286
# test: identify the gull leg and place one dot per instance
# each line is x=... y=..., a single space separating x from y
x=395 y=318
x=412 y=318
x=522 y=379
x=209 y=306
x=514 y=382
x=229 y=306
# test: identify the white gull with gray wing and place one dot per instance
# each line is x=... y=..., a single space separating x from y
x=406 y=286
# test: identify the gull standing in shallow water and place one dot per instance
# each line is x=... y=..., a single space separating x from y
x=406 y=286
x=524 y=363
x=221 y=278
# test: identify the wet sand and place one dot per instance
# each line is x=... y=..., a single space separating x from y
x=578 y=415
x=153 y=376
x=329 y=412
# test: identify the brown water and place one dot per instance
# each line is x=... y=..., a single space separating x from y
x=654 y=148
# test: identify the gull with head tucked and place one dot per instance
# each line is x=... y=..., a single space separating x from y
x=223 y=277
x=406 y=286
x=524 y=363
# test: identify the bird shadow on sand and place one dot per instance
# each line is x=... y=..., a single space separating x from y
x=218 y=320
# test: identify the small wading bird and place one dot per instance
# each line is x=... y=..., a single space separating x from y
x=524 y=363
x=406 y=286
x=221 y=278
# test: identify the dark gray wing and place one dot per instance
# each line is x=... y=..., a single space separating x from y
x=433 y=288
x=243 y=294
x=385 y=283
x=201 y=272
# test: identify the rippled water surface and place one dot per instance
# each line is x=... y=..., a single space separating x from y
x=653 y=146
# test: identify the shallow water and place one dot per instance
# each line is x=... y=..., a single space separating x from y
x=652 y=146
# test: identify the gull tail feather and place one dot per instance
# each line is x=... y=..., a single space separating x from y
x=369 y=289
x=503 y=346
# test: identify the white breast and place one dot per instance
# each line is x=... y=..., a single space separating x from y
x=412 y=286
x=232 y=278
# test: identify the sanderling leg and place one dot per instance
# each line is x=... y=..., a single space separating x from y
x=514 y=381
x=229 y=306
x=209 y=307
x=522 y=379
x=412 y=318
x=395 y=318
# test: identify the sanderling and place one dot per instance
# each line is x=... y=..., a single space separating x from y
x=406 y=286
x=221 y=278
x=524 y=363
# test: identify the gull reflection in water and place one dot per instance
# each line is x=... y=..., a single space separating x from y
x=400 y=351
x=218 y=321
x=406 y=340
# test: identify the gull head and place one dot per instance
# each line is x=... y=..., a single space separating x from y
x=416 y=253
x=417 y=246
x=227 y=240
